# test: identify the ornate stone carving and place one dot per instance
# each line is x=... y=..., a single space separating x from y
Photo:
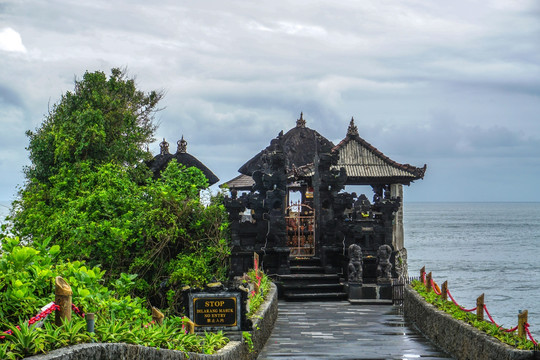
x=355 y=264
x=301 y=122
x=182 y=145
x=352 y=130
x=401 y=263
x=384 y=267
x=164 y=147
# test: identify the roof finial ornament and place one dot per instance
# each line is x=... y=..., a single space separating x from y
x=301 y=122
x=182 y=146
x=352 y=130
x=164 y=147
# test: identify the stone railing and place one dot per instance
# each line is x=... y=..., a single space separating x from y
x=455 y=337
x=263 y=323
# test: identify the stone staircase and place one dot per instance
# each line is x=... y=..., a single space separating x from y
x=308 y=281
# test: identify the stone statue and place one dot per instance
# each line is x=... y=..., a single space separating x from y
x=401 y=263
x=164 y=147
x=355 y=264
x=182 y=145
x=384 y=267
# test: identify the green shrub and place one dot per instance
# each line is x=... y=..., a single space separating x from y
x=491 y=329
x=27 y=284
x=256 y=299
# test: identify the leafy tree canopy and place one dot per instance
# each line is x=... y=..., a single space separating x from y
x=83 y=195
x=103 y=119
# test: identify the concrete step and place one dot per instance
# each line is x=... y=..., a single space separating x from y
x=305 y=279
x=307 y=261
x=312 y=288
x=332 y=296
x=306 y=269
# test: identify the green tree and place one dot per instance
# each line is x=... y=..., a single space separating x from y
x=89 y=192
x=102 y=120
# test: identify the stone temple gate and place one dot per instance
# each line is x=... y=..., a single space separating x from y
x=289 y=205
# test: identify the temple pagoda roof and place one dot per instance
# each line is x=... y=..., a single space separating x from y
x=366 y=165
x=300 y=144
x=160 y=161
x=241 y=182
x=363 y=163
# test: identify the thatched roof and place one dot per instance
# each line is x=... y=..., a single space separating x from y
x=366 y=165
x=363 y=163
x=160 y=162
x=241 y=182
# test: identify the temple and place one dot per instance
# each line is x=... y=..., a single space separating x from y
x=289 y=205
x=160 y=161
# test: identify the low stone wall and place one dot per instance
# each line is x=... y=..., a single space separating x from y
x=455 y=337
x=263 y=323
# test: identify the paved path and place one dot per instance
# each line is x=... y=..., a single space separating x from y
x=339 y=331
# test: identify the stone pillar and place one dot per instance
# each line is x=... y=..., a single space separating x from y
x=396 y=190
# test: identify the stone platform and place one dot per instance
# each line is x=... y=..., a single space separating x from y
x=341 y=331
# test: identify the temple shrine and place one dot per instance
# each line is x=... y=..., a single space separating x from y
x=160 y=161
x=289 y=205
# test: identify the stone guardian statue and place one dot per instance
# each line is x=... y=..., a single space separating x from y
x=355 y=264
x=384 y=267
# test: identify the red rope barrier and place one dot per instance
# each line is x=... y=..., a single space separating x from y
x=462 y=308
x=529 y=333
x=489 y=316
x=512 y=329
x=49 y=308
x=77 y=311
x=435 y=288
x=494 y=323
x=470 y=310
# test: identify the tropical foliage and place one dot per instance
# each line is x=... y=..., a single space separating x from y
x=92 y=212
x=30 y=340
x=89 y=192
x=27 y=284
x=103 y=120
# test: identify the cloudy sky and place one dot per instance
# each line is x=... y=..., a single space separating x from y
x=454 y=84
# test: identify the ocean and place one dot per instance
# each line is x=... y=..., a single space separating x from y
x=490 y=248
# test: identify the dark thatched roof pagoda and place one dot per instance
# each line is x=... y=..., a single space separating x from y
x=300 y=144
x=159 y=162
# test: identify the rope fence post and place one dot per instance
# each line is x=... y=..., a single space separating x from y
x=157 y=316
x=522 y=320
x=190 y=326
x=62 y=298
x=422 y=273
x=90 y=322
x=480 y=308
x=444 y=291
x=428 y=282
x=256 y=262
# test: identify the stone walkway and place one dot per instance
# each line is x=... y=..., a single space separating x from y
x=339 y=331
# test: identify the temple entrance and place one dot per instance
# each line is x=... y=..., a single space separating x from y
x=300 y=219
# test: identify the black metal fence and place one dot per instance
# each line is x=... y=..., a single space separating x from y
x=398 y=289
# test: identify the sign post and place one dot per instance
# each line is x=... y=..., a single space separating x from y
x=216 y=311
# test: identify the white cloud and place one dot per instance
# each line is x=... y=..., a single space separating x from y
x=236 y=73
x=11 y=41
